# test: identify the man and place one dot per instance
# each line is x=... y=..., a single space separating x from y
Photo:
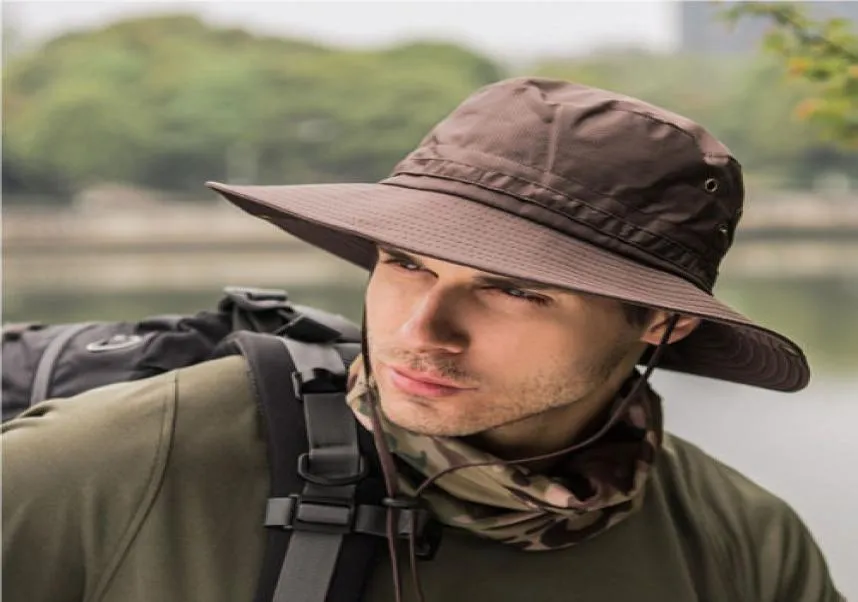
x=540 y=243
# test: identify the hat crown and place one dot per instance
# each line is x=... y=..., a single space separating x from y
x=576 y=187
x=606 y=168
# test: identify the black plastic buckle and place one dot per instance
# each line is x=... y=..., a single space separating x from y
x=419 y=521
x=330 y=481
x=257 y=299
x=304 y=328
x=317 y=380
x=429 y=533
x=320 y=515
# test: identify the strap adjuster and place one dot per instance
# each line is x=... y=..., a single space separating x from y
x=326 y=515
x=310 y=513
x=317 y=380
x=305 y=328
x=429 y=532
x=415 y=519
x=329 y=480
x=257 y=299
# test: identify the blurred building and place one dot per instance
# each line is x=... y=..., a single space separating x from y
x=703 y=31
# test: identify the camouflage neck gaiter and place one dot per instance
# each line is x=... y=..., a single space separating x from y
x=586 y=492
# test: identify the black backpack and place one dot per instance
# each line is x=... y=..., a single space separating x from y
x=55 y=361
x=327 y=511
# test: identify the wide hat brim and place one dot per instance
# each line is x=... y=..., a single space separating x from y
x=348 y=220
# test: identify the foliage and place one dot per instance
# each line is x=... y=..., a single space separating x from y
x=171 y=102
x=822 y=53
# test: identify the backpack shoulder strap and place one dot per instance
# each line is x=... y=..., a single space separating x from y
x=43 y=375
x=312 y=553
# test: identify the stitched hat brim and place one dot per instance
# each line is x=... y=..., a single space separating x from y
x=348 y=220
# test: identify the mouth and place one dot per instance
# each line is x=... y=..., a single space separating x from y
x=422 y=383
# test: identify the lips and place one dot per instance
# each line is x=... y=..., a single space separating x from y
x=423 y=384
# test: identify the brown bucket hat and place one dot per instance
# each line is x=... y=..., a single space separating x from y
x=568 y=185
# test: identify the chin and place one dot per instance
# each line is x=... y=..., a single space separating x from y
x=420 y=417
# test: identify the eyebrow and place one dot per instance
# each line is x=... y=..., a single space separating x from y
x=485 y=280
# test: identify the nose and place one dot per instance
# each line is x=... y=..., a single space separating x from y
x=434 y=324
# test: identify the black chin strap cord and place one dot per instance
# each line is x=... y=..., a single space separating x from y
x=621 y=406
x=389 y=467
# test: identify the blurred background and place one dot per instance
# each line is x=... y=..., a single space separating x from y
x=115 y=114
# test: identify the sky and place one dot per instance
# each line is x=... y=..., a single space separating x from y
x=504 y=30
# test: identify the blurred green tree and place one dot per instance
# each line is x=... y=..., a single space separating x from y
x=746 y=103
x=823 y=54
x=169 y=102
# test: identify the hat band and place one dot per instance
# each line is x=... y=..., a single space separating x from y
x=609 y=233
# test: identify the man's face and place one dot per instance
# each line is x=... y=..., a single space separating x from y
x=456 y=351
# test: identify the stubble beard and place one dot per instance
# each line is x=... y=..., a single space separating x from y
x=539 y=394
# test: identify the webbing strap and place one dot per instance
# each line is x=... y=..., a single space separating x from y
x=45 y=370
x=331 y=468
x=314 y=362
x=308 y=567
x=327 y=555
x=367 y=519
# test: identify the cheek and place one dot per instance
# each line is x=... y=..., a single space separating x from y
x=515 y=351
x=565 y=345
x=386 y=305
x=375 y=304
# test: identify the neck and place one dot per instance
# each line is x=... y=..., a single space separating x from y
x=553 y=430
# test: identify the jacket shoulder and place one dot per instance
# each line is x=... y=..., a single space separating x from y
x=80 y=474
x=706 y=482
x=758 y=538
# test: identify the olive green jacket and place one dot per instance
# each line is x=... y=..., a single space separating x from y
x=155 y=491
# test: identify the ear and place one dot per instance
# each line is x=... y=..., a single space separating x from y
x=658 y=324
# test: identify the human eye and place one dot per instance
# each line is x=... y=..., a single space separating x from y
x=402 y=263
x=523 y=295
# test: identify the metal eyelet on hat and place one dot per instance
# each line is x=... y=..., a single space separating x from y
x=711 y=185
